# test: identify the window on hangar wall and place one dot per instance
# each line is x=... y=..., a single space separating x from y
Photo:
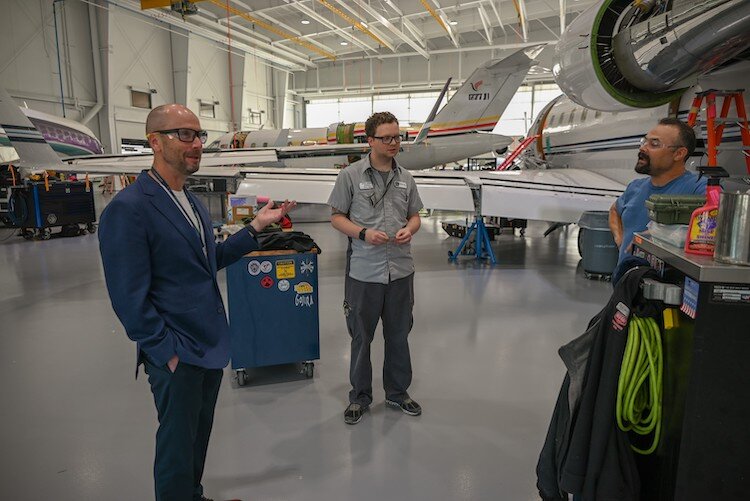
x=140 y=99
x=521 y=111
x=207 y=109
x=415 y=106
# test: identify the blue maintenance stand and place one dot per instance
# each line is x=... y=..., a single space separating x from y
x=482 y=242
x=482 y=247
x=273 y=311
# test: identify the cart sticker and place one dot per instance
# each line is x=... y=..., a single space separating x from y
x=620 y=320
x=690 y=298
x=253 y=268
x=303 y=288
x=266 y=266
x=283 y=285
x=266 y=282
x=734 y=294
x=306 y=267
x=285 y=269
x=303 y=300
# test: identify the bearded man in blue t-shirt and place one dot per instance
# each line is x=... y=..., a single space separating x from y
x=662 y=157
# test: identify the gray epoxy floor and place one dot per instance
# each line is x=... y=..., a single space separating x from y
x=74 y=424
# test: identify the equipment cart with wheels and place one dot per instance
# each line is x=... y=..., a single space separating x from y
x=38 y=207
x=273 y=311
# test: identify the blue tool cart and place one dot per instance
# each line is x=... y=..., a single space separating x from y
x=273 y=311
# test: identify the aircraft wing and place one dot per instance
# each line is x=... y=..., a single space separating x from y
x=558 y=195
x=438 y=190
x=218 y=163
x=214 y=163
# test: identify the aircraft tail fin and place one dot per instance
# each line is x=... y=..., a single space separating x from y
x=34 y=153
x=431 y=117
x=481 y=100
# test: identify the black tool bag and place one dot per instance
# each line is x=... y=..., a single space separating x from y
x=287 y=240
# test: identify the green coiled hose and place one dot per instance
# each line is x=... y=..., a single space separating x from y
x=639 y=389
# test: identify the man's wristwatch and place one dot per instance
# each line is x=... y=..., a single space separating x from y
x=362 y=233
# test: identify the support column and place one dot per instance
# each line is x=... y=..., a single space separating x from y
x=236 y=89
x=180 y=42
x=280 y=88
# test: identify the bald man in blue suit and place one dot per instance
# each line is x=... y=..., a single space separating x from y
x=160 y=263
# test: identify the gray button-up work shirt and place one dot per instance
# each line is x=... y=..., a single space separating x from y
x=369 y=201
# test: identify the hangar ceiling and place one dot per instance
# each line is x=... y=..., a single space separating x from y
x=301 y=34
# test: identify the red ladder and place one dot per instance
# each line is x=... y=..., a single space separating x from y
x=715 y=125
x=521 y=147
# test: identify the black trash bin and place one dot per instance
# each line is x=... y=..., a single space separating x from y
x=597 y=245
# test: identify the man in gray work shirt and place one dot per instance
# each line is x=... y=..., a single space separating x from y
x=376 y=204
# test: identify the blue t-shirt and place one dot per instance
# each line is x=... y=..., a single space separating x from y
x=632 y=203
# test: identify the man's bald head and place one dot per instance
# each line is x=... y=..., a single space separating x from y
x=168 y=116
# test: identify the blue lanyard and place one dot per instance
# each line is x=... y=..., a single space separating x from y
x=164 y=184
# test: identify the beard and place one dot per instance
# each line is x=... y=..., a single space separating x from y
x=179 y=161
x=643 y=166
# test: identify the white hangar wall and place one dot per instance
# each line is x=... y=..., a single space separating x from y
x=29 y=69
x=135 y=53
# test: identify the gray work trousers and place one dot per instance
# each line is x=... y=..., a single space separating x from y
x=364 y=304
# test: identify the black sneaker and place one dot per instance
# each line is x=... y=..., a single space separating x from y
x=407 y=406
x=353 y=413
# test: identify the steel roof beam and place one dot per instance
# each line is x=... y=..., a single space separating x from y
x=209 y=33
x=385 y=22
x=485 y=23
x=496 y=10
x=325 y=22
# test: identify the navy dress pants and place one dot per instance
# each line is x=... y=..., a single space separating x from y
x=185 y=402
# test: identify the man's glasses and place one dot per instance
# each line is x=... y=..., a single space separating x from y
x=388 y=139
x=187 y=135
x=652 y=142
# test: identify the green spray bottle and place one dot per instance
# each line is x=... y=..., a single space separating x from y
x=701 y=237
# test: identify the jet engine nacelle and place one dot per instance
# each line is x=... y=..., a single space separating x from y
x=624 y=54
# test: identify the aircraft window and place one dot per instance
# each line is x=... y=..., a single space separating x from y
x=289 y=143
x=572 y=117
x=552 y=120
x=562 y=118
x=597 y=114
x=584 y=112
x=265 y=145
x=252 y=145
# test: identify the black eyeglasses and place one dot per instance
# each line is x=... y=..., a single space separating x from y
x=187 y=135
x=388 y=139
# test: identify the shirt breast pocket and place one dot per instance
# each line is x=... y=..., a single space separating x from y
x=362 y=206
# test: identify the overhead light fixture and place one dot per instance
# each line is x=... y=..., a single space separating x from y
x=364 y=24
x=453 y=23
x=305 y=21
x=343 y=42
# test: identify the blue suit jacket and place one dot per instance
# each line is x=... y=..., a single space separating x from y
x=162 y=287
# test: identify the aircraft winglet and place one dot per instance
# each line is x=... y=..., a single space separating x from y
x=428 y=123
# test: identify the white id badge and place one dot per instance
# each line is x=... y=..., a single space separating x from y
x=400 y=184
x=365 y=185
